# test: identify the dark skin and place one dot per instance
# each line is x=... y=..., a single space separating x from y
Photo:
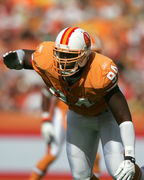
x=115 y=99
x=118 y=105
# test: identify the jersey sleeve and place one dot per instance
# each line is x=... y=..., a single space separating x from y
x=110 y=76
x=43 y=55
x=39 y=58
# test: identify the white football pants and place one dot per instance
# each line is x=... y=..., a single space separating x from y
x=83 y=133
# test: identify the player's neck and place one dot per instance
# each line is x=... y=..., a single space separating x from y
x=70 y=80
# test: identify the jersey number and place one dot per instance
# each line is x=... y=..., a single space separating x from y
x=112 y=75
x=62 y=97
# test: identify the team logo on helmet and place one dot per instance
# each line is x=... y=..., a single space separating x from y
x=87 y=39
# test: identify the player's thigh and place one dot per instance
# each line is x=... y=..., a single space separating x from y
x=82 y=143
x=111 y=142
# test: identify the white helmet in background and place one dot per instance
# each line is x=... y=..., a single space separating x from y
x=71 y=51
x=96 y=44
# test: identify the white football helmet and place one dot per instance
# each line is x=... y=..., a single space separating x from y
x=71 y=51
x=96 y=44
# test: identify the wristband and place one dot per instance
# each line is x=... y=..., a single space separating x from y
x=46 y=117
x=132 y=159
x=128 y=138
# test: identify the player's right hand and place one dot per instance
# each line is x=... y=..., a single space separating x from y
x=47 y=131
x=12 y=60
x=125 y=171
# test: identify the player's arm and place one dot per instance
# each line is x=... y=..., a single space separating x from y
x=119 y=107
x=18 y=59
x=48 y=106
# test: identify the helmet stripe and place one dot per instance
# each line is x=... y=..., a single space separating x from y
x=66 y=35
x=61 y=42
x=67 y=41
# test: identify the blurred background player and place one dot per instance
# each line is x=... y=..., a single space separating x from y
x=96 y=43
x=53 y=126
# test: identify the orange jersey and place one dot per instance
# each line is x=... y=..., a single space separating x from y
x=86 y=96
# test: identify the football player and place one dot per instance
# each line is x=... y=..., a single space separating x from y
x=87 y=82
x=53 y=126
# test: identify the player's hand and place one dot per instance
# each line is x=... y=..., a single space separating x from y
x=13 y=60
x=126 y=170
x=47 y=131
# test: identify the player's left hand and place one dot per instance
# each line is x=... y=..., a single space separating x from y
x=125 y=171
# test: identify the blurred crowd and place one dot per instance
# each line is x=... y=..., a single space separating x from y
x=25 y=23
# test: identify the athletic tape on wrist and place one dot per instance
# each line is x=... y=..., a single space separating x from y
x=132 y=159
x=128 y=138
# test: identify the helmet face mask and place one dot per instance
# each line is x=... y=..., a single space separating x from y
x=67 y=61
x=70 y=51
